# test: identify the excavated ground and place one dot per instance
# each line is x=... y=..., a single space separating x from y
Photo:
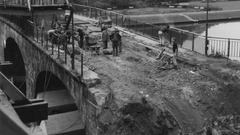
x=148 y=97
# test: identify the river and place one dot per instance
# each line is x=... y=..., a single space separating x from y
x=227 y=30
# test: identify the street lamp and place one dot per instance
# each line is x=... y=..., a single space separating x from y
x=206 y=36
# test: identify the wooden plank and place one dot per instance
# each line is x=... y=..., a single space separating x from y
x=59 y=101
x=34 y=112
x=10 y=124
x=56 y=98
x=12 y=91
x=5 y=63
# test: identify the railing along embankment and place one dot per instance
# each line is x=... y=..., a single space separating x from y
x=227 y=47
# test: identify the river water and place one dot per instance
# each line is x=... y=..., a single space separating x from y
x=227 y=30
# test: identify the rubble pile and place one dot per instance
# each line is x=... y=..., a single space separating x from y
x=166 y=62
x=223 y=125
x=137 y=118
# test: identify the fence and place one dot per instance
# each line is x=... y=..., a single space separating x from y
x=25 y=3
x=57 y=47
x=226 y=47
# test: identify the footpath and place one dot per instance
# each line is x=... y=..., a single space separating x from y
x=146 y=95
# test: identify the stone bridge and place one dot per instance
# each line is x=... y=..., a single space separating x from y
x=35 y=66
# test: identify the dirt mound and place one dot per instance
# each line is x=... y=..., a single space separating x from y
x=138 y=118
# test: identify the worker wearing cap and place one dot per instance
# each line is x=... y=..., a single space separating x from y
x=175 y=46
x=115 y=37
x=105 y=38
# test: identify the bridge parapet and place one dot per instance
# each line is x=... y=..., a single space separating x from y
x=25 y=3
x=37 y=59
x=23 y=7
x=226 y=47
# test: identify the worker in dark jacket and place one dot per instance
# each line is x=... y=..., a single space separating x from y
x=175 y=46
x=115 y=37
x=105 y=38
x=81 y=37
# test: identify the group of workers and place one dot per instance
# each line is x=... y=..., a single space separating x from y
x=115 y=38
x=173 y=41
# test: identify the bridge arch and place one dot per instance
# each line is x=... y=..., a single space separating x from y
x=62 y=109
x=37 y=61
x=47 y=81
x=17 y=70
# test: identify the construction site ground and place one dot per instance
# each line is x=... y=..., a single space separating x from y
x=143 y=88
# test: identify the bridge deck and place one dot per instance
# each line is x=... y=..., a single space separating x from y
x=136 y=72
x=23 y=7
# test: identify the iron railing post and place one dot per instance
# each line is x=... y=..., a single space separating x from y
x=96 y=14
x=228 y=52
x=52 y=48
x=42 y=36
x=122 y=20
x=47 y=42
x=206 y=33
x=181 y=38
x=136 y=25
x=82 y=65
x=193 y=43
x=73 y=50
x=129 y=23
x=116 y=19
x=152 y=30
x=89 y=12
x=65 y=51
x=37 y=33
x=170 y=36
x=58 y=49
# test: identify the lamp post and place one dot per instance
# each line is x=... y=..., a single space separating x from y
x=206 y=36
x=87 y=2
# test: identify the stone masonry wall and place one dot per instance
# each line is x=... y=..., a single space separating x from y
x=37 y=60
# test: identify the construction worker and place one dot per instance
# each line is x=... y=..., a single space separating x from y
x=105 y=38
x=115 y=37
x=81 y=37
x=174 y=46
x=86 y=36
x=119 y=42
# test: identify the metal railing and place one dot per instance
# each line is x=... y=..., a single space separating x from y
x=226 y=47
x=26 y=3
x=57 y=47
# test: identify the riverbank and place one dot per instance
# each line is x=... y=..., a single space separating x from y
x=143 y=89
x=187 y=17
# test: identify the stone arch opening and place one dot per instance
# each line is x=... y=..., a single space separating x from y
x=62 y=110
x=16 y=71
x=47 y=81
